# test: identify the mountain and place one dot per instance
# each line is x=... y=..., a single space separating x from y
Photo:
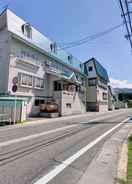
x=123 y=90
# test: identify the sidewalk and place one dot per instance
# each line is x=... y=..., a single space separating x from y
x=103 y=169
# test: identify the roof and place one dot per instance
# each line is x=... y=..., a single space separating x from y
x=100 y=70
x=39 y=40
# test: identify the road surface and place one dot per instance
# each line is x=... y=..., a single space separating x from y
x=55 y=153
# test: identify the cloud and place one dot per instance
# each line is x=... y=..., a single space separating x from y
x=120 y=83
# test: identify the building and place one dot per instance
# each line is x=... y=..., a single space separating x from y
x=120 y=102
x=97 y=86
x=111 y=99
x=43 y=71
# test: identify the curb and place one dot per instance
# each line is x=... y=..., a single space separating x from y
x=123 y=160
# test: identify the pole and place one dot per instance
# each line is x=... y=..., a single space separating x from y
x=15 y=109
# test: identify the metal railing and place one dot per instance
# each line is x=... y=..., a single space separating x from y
x=5 y=118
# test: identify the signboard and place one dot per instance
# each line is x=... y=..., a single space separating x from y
x=15 y=82
x=14 y=88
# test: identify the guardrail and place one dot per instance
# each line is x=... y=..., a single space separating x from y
x=5 y=118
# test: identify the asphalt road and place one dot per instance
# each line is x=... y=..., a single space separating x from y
x=60 y=151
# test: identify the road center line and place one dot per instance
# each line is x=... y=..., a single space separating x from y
x=58 y=169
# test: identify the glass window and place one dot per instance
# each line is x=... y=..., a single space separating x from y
x=38 y=83
x=90 y=68
x=57 y=86
x=92 y=82
x=26 y=80
x=27 y=30
x=37 y=102
x=104 y=96
x=68 y=105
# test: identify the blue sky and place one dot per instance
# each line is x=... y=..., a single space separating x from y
x=70 y=20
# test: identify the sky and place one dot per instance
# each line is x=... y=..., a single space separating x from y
x=70 y=20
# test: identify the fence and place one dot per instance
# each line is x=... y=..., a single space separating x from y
x=7 y=110
x=5 y=118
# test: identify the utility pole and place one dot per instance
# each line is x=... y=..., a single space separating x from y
x=125 y=14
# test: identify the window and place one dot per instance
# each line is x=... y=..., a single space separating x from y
x=38 y=102
x=104 y=96
x=68 y=105
x=27 y=30
x=70 y=59
x=31 y=81
x=57 y=86
x=92 y=82
x=90 y=68
x=53 y=47
x=26 y=80
x=38 y=83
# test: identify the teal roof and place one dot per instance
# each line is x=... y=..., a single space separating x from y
x=63 y=56
x=101 y=71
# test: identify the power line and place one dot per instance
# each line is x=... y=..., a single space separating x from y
x=125 y=13
x=90 y=38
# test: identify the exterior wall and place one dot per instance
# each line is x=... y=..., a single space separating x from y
x=4 y=54
x=111 y=105
x=91 y=98
x=70 y=103
x=91 y=74
x=35 y=68
x=91 y=94
x=4 y=61
x=102 y=103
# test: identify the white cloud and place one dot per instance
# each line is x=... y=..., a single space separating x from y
x=120 y=83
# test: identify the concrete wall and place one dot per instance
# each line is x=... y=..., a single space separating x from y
x=91 y=95
x=103 y=103
x=70 y=103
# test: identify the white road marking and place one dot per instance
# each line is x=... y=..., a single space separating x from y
x=33 y=136
x=7 y=143
x=58 y=169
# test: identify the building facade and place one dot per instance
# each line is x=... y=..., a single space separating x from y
x=43 y=72
x=111 y=99
x=97 y=86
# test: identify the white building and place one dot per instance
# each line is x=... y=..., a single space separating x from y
x=97 y=86
x=44 y=71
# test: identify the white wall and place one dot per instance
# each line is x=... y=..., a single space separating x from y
x=16 y=47
x=75 y=99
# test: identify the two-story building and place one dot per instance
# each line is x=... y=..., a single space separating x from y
x=97 y=86
x=43 y=72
